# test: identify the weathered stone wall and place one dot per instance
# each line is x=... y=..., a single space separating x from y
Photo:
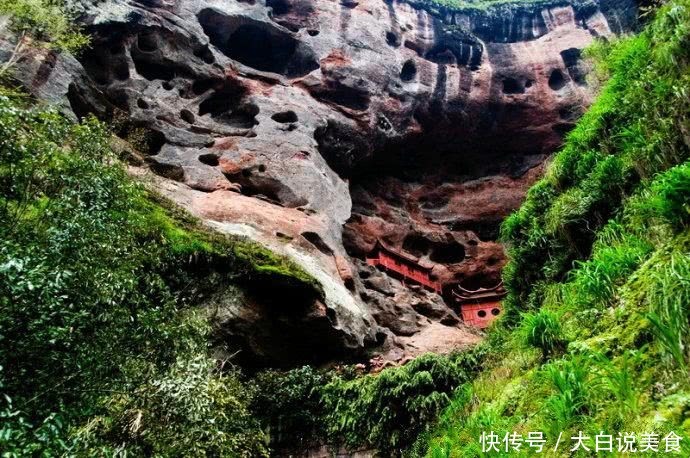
x=318 y=126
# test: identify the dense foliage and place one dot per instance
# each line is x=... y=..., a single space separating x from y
x=542 y=329
x=389 y=410
x=385 y=411
x=599 y=272
x=99 y=349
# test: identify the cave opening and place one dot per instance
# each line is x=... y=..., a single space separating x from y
x=209 y=159
x=256 y=44
x=187 y=116
x=557 y=80
x=150 y=69
x=408 y=71
x=147 y=42
x=447 y=253
x=284 y=117
x=416 y=245
x=222 y=100
x=393 y=39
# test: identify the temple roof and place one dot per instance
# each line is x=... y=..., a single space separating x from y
x=407 y=257
x=463 y=294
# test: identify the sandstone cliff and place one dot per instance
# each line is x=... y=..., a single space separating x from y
x=318 y=127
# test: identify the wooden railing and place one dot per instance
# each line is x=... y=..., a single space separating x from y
x=407 y=272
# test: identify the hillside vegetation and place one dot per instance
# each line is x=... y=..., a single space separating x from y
x=595 y=338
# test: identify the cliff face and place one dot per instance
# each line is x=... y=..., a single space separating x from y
x=318 y=127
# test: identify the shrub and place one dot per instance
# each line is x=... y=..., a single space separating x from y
x=389 y=410
x=290 y=406
x=569 y=378
x=620 y=383
x=542 y=330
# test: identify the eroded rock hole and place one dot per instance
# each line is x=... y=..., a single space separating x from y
x=141 y=103
x=279 y=7
x=259 y=49
x=187 y=116
x=173 y=172
x=512 y=86
x=243 y=117
x=392 y=39
x=479 y=281
x=119 y=98
x=285 y=117
x=148 y=67
x=147 y=42
x=451 y=52
x=557 y=80
x=257 y=44
x=78 y=101
x=103 y=66
x=312 y=32
x=341 y=145
x=416 y=245
x=204 y=54
x=265 y=188
x=149 y=141
x=571 y=60
x=152 y=71
x=408 y=71
x=221 y=100
x=209 y=159
x=201 y=86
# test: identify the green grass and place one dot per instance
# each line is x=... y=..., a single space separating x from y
x=542 y=330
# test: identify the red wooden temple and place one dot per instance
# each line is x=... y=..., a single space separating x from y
x=479 y=307
x=403 y=266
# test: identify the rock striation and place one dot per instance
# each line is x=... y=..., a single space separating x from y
x=318 y=127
